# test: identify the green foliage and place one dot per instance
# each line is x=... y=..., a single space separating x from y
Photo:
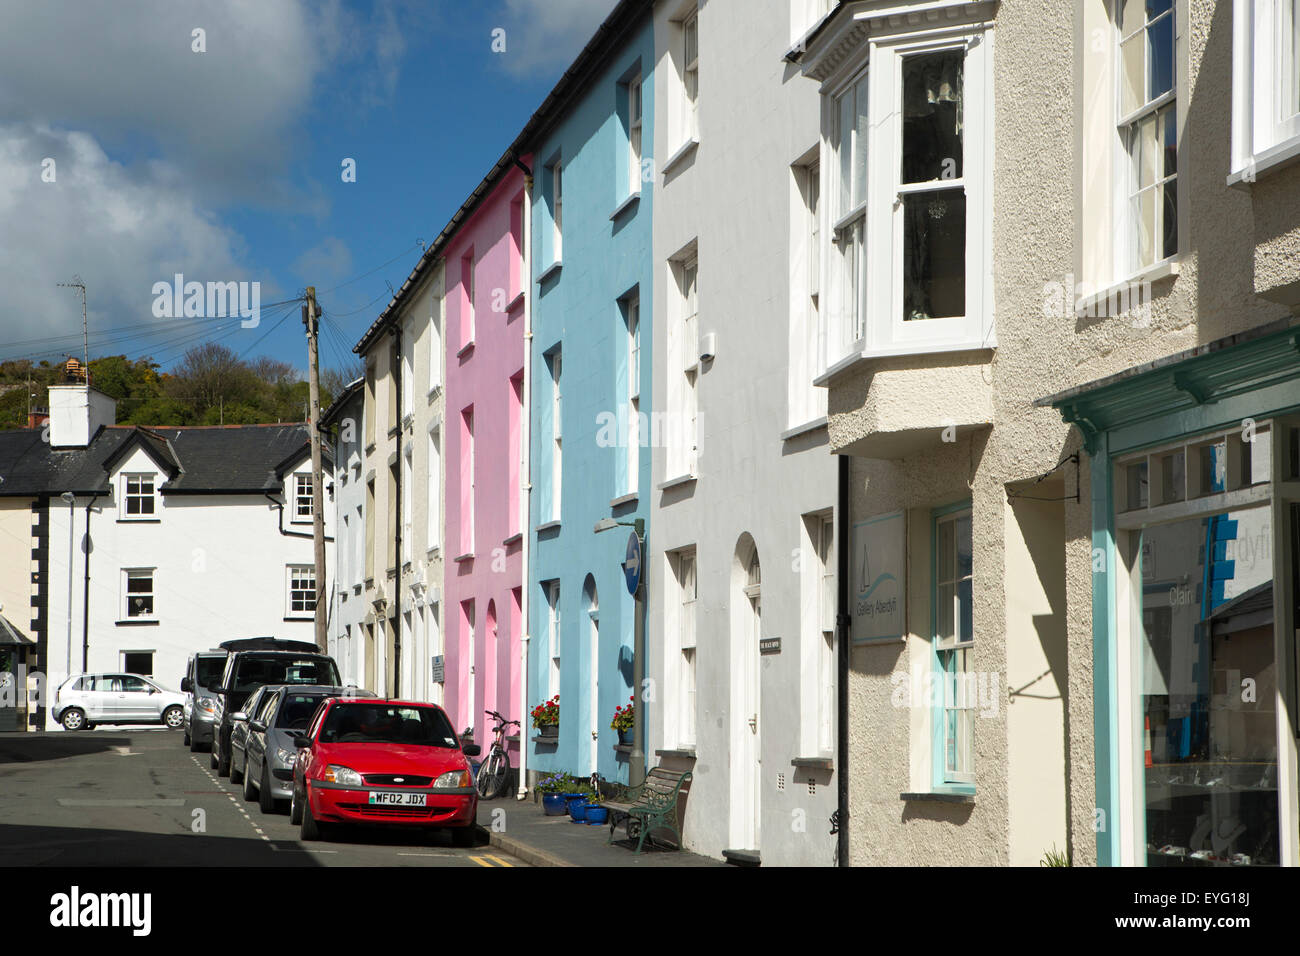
x=210 y=385
x=1055 y=857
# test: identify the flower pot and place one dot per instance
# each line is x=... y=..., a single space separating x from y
x=553 y=804
x=577 y=804
x=549 y=730
x=595 y=815
x=625 y=736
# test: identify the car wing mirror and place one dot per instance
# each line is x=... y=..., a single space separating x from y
x=187 y=686
x=239 y=715
x=301 y=742
x=471 y=750
x=257 y=725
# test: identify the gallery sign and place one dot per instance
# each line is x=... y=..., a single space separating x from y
x=878 y=579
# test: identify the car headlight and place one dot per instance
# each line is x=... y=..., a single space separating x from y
x=288 y=757
x=453 y=778
x=207 y=705
x=344 y=775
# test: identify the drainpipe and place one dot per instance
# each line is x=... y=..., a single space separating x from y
x=397 y=512
x=525 y=477
x=842 y=665
x=85 y=595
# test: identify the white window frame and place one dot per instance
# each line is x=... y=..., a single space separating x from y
x=553 y=637
x=434 y=489
x=467 y=281
x=687 y=644
x=806 y=402
x=557 y=434
x=435 y=348
x=632 y=435
x=128 y=574
x=296 y=574
x=555 y=180
x=1126 y=257
x=1264 y=72
x=408 y=498
x=301 y=478
x=635 y=132
x=690 y=76
x=882 y=329
x=141 y=496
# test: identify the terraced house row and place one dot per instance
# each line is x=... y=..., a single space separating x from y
x=943 y=357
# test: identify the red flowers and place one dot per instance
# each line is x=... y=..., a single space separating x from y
x=546 y=714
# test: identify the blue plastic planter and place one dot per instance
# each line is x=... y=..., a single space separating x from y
x=595 y=815
x=553 y=804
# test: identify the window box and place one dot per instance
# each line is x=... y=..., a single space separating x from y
x=940 y=796
x=813 y=763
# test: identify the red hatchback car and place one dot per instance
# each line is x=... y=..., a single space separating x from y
x=383 y=761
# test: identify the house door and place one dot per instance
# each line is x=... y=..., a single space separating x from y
x=746 y=730
x=593 y=671
x=369 y=651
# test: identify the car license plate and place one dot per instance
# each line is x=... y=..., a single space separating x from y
x=390 y=798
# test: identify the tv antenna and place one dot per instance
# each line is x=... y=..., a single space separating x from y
x=76 y=283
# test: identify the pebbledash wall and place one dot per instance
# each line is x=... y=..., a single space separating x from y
x=346 y=559
x=484 y=342
x=591 y=323
x=741 y=473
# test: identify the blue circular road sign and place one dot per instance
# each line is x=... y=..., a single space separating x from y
x=632 y=563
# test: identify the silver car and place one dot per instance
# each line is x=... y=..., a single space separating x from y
x=262 y=747
x=84 y=700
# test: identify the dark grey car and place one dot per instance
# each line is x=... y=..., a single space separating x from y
x=265 y=752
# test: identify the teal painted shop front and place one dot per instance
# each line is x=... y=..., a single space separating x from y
x=1195 y=475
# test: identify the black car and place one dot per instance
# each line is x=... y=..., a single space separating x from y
x=247 y=670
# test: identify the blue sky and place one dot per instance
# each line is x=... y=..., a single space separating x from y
x=225 y=164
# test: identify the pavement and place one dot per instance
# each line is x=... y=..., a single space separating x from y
x=522 y=829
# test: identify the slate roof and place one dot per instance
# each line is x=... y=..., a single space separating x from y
x=217 y=459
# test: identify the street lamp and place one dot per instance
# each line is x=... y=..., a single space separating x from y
x=71 y=499
x=636 y=770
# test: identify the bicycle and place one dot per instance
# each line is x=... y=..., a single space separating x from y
x=494 y=770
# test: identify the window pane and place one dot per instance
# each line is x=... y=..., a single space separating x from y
x=947 y=552
x=934 y=255
x=860 y=144
x=932 y=116
x=1144 y=227
x=1170 y=225
x=944 y=627
x=1210 y=757
x=1132 y=15
x=1160 y=37
x=1146 y=157
x=963 y=529
x=965 y=610
x=1169 y=140
x=1131 y=93
x=845 y=148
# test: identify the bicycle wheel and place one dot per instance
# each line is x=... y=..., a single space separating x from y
x=492 y=775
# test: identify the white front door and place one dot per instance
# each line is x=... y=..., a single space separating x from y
x=593 y=693
x=746 y=756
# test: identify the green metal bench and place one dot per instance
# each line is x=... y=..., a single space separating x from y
x=651 y=805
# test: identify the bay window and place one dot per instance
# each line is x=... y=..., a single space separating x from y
x=908 y=255
x=1266 y=85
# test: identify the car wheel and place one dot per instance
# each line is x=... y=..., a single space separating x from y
x=249 y=786
x=463 y=836
x=212 y=754
x=174 y=717
x=295 y=808
x=192 y=741
x=73 y=719
x=187 y=739
x=264 y=798
x=223 y=762
x=236 y=774
x=311 y=830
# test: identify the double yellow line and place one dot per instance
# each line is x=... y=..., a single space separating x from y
x=496 y=860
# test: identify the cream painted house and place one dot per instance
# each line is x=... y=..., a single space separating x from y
x=1065 y=637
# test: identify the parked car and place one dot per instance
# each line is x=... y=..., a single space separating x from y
x=84 y=700
x=383 y=762
x=239 y=728
x=264 y=754
x=246 y=671
x=202 y=676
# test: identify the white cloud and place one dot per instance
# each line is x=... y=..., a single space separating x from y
x=548 y=34
x=327 y=262
x=121 y=228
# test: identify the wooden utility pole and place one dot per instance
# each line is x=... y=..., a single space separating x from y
x=311 y=319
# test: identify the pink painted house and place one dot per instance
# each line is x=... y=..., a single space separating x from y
x=484 y=341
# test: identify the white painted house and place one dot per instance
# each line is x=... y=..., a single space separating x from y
x=153 y=543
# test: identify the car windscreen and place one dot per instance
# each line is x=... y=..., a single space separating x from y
x=388 y=724
x=209 y=671
x=297 y=709
x=252 y=672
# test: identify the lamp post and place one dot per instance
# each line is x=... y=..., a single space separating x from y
x=636 y=770
x=71 y=499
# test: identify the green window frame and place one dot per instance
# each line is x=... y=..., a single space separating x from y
x=952 y=639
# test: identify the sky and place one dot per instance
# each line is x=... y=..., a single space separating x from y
x=128 y=155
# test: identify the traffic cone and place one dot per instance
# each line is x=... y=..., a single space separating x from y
x=1148 y=741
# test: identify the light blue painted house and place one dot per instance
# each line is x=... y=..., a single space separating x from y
x=591 y=285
